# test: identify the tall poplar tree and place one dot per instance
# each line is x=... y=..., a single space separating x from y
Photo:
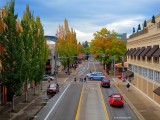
x=13 y=56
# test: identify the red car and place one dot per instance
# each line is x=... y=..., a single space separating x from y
x=53 y=88
x=105 y=82
x=116 y=100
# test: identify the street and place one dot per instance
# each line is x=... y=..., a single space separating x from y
x=65 y=104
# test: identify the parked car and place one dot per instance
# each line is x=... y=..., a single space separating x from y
x=47 y=77
x=53 y=88
x=105 y=82
x=95 y=76
x=116 y=100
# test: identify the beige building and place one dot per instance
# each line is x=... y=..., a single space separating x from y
x=143 y=57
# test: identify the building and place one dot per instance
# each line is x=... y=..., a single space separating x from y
x=143 y=57
x=50 y=65
x=122 y=37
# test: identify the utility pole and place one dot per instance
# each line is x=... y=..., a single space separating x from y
x=55 y=69
x=114 y=66
x=123 y=68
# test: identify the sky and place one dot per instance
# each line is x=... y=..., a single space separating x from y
x=88 y=16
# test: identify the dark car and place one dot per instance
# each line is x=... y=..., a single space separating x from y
x=105 y=82
x=116 y=100
x=53 y=88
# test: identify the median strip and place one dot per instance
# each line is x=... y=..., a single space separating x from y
x=79 y=105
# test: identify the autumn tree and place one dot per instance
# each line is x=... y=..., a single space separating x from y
x=106 y=44
x=13 y=56
x=66 y=45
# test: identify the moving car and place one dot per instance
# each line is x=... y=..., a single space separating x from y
x=53 y=88
x=47 y=77
x=99 y=73
x=105 y=82
x=116 y=100
x=95 y=76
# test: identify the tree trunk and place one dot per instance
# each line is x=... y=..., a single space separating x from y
x=26 y=90
x=68 y=67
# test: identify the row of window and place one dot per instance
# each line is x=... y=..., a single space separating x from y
x=149 y=59
x=147 y=73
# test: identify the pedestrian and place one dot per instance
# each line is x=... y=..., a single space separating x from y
x=85 y=79
x=128 y=85
x=75 y=79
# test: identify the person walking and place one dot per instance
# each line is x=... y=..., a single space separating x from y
x=128 y=86
x=75 y=79
x=85 y=79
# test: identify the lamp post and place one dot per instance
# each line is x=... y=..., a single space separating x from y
x=122 y=68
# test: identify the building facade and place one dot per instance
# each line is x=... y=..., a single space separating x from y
x=143 y=57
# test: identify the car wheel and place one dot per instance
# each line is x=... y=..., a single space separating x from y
x=91 y=78
x=47 y=93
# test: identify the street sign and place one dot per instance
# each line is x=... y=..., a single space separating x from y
x=103 y=55
x=111 y=57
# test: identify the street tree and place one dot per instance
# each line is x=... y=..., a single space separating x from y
x=105 y=44
x=13 y=56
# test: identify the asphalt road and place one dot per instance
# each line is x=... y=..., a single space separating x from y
x=118 y=113
x=63 y=106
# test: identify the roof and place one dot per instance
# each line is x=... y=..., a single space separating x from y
x=157 y=91
x=129 y=73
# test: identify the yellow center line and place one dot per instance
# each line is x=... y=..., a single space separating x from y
x=79 y=105
x=104 y=106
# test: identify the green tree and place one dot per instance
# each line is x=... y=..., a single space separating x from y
x=13 y=56
x=106 y=43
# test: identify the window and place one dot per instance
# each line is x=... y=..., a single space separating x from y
x=149 y=59
x=144 y=72
x=138 y=58
x=143 y=58
x=156 y=60
x=150 y=75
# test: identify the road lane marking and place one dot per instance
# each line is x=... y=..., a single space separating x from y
x=56 y=102
x=79 y=105
x=104 y=106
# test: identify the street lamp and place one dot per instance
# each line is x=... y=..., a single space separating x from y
x=122 y=68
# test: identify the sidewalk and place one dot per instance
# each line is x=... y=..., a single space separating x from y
x=144 y=108
x=28 y=110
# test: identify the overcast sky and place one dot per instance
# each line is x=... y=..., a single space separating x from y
x=89 y=16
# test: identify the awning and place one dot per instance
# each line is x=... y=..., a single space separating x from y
x=126 y=52
x=129 y=73
x=157 y=53
x=119 y=65
x=48 y=66
x=140 y=51
x=145 y=51
x=137 y=50
x=152 y=51
x=157 y=91
x=129 y=51
x=133 y=51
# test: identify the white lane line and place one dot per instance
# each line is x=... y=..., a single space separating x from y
x=56 y=103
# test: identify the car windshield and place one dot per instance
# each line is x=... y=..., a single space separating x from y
x=117 y=98
x=52 y=85
x=105 y=80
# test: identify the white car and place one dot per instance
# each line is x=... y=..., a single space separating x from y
x=47 y=77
